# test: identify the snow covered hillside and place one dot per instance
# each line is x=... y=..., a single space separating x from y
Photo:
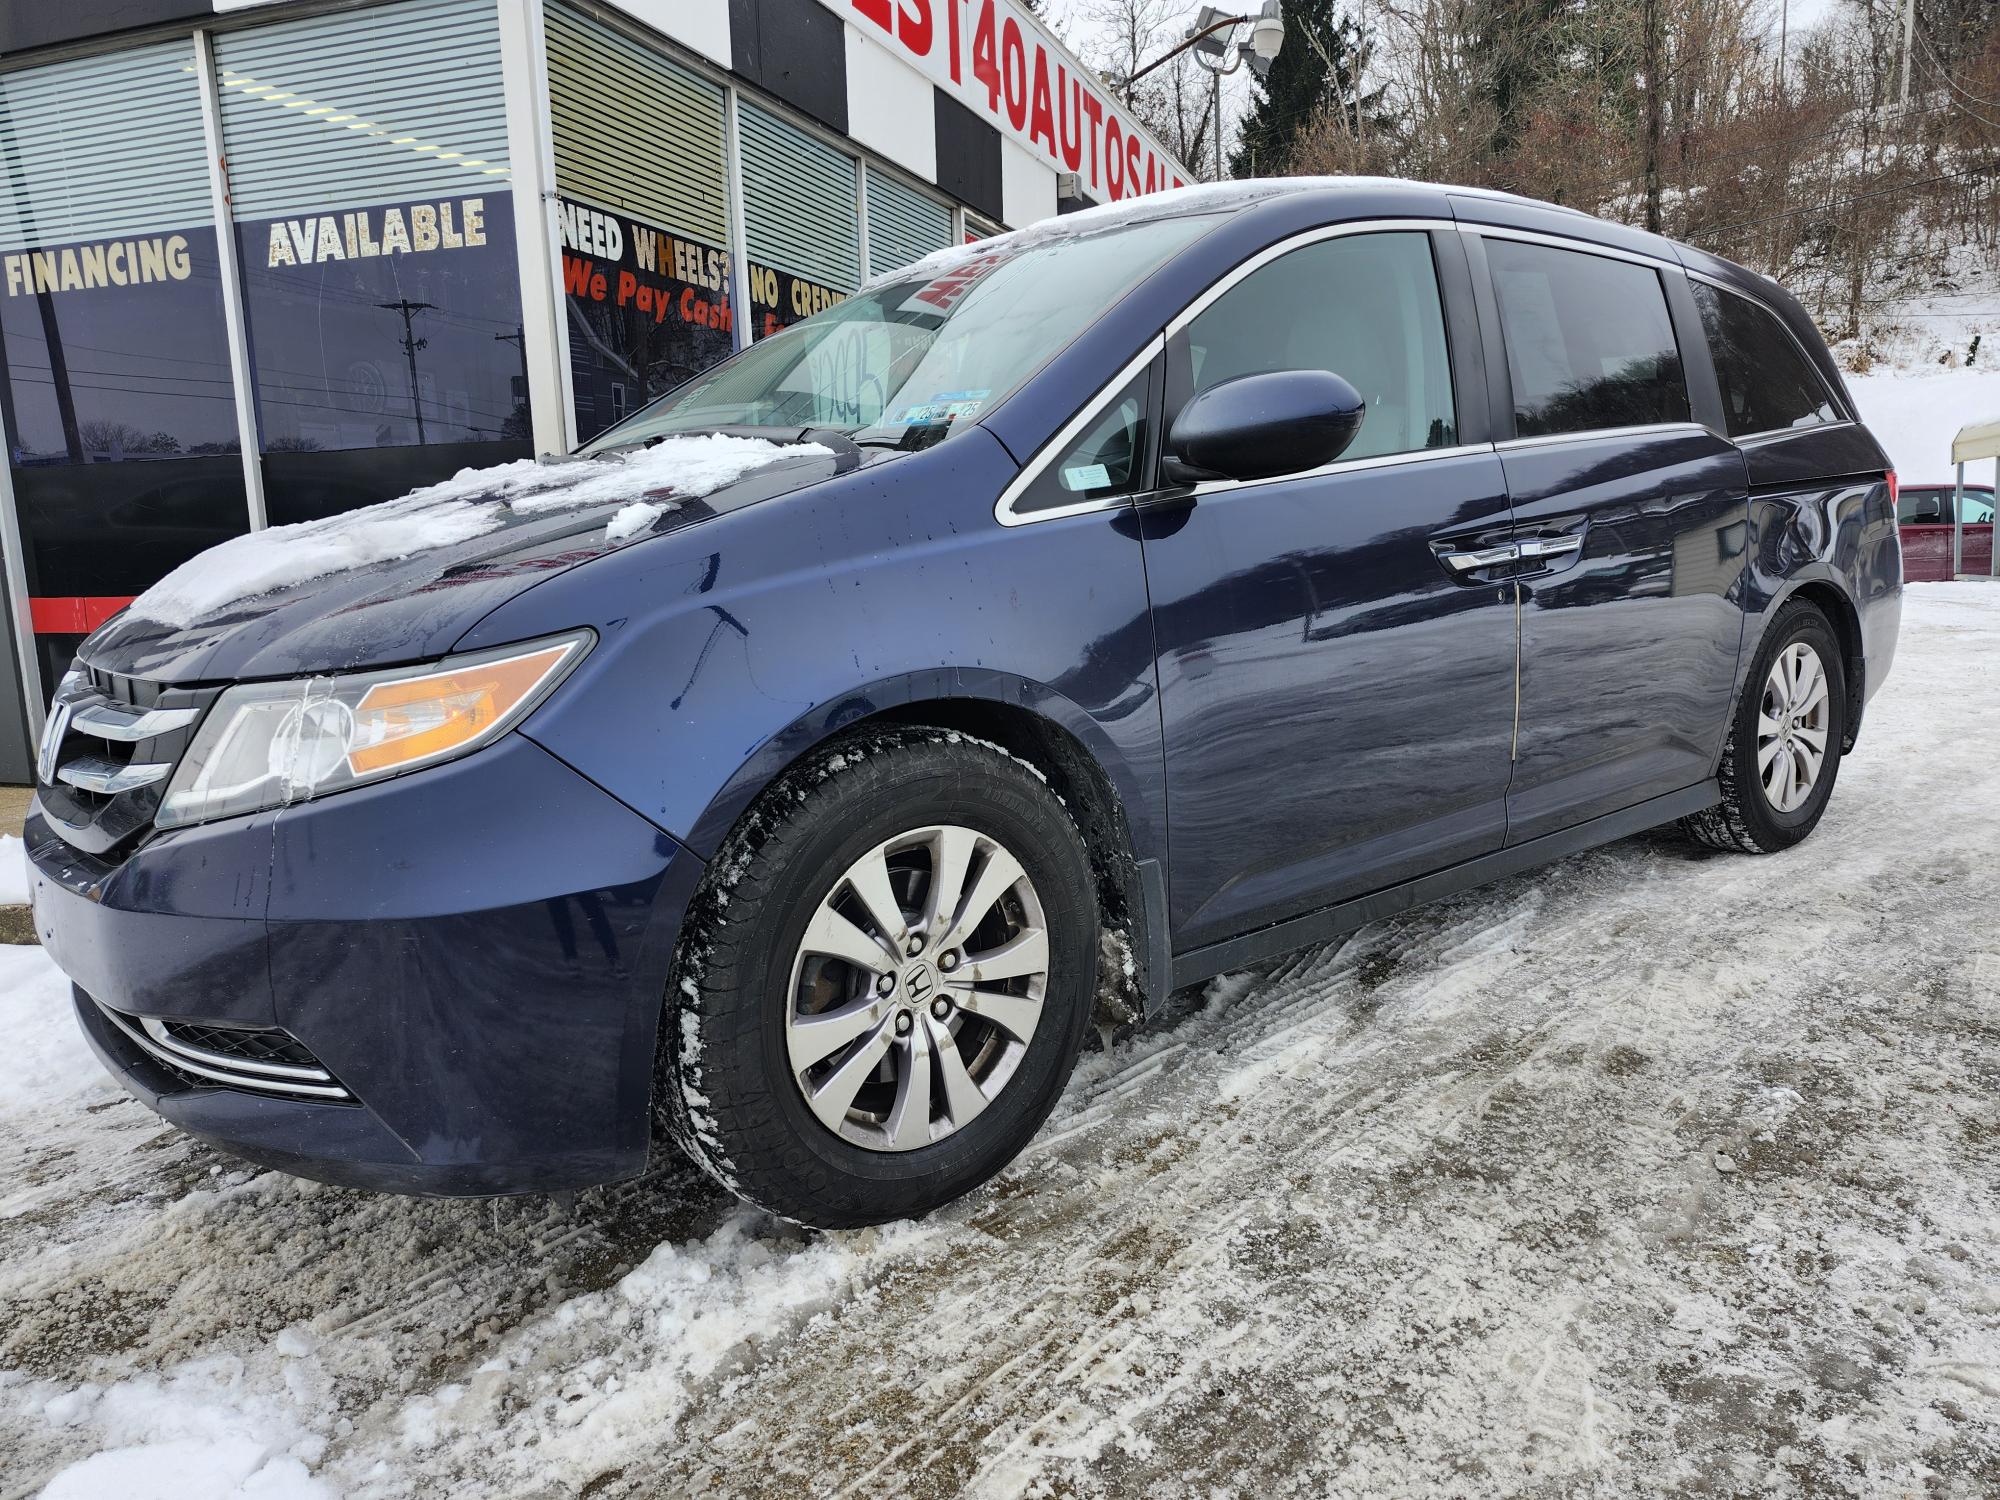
x=1918 y=388
x=1916 y=412
x=1657 y=1171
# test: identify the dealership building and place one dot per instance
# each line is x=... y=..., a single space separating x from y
x=262 y=261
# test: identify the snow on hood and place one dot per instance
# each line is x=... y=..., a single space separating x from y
x=469 y=504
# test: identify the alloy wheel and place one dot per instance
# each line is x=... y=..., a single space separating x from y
x=917 y=988
x=1792 y=723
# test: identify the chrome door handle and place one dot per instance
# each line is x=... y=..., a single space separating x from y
x=1549 y=546
x=1485 y=557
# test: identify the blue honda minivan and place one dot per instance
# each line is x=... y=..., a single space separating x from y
x=798 y=771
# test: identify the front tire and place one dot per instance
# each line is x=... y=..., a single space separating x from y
x=1785 y=740
x=887 y=977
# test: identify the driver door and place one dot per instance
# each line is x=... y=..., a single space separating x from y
x=1337 y=680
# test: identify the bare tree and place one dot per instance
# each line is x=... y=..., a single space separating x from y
x=1173 y=101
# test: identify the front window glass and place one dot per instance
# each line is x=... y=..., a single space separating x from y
x=1589 y=342
x=1363 y=306
x=1978 y=508
x=1922 y=507
x=906 y=362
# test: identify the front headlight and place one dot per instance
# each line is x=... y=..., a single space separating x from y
x=266 y=744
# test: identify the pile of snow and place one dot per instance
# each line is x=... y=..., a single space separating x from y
x=46 y=1065
x=469 y=504
x=13 y=871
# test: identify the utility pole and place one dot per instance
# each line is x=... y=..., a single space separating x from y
x=1784 y=41
x=519 y=339
x=1650 y=19
x=411 y=344
x=1909 y=30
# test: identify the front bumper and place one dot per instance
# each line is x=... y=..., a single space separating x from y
x=478 y=953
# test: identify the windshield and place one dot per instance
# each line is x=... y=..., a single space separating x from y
x=907 y=361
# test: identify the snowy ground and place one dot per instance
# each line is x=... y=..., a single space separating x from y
x=1659 y=1170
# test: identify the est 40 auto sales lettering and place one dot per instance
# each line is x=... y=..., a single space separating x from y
x=991 y=58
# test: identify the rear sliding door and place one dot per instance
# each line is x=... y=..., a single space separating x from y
x=1632 y=521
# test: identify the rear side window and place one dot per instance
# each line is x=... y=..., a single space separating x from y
x=1364 y=306
x=1589 y=342
x=1768 y=384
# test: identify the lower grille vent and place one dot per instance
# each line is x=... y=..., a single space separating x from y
x=268 y=1060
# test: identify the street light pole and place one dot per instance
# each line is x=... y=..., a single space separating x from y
x=1193 y=38
x=1267 y=36
x=1215 y=106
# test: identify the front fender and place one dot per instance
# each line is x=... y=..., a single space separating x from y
x=729 y=648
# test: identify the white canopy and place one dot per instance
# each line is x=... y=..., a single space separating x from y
x=1978 y=440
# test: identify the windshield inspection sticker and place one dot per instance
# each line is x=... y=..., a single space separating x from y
x=1086 y=477
x=945 y=406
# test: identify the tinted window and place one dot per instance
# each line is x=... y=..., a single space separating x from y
x=1978 y=507
x=1589 y=343
x=1363 y=306
x=1108 y=460
x=1767 y=383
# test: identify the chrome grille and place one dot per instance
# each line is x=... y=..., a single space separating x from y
x=267 y=1060
x=108 y=753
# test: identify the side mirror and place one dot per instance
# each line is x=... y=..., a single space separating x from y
x=1261 y=426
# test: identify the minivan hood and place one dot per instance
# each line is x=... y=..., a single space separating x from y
x=403 y=581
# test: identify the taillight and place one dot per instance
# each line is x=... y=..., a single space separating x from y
x=1893 y=493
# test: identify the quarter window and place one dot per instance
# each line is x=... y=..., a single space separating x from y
x=1365 y=307
x=1107 y=461
x=1589 y=342
x=1767 y=383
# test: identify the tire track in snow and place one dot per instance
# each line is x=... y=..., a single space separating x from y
x=1444 y=1210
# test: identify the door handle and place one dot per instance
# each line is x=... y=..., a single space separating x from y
x=1540 y=547
x=1485 y=557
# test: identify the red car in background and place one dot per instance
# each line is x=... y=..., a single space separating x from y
x=1923 y=515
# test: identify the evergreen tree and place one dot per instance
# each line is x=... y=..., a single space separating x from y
x=1313 y=74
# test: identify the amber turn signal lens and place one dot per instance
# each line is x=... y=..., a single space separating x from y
x=418 y=718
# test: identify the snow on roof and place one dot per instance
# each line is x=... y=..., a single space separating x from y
x=1976 y=440
x=471 y=503
x=1196 y=198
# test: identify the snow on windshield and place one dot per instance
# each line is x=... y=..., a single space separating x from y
x=469 y=504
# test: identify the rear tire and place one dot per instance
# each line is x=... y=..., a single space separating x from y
x=847 y=1090
x=1784 y=749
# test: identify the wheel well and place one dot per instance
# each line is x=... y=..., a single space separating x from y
x=1840 y=613
x=1073 y=774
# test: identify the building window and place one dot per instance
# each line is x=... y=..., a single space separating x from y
x=904 y=225
x=115 y=387
x=374 y=219
x=802 y=220
x=640 y=166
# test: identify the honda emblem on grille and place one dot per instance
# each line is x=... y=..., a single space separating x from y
x=52 y=738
